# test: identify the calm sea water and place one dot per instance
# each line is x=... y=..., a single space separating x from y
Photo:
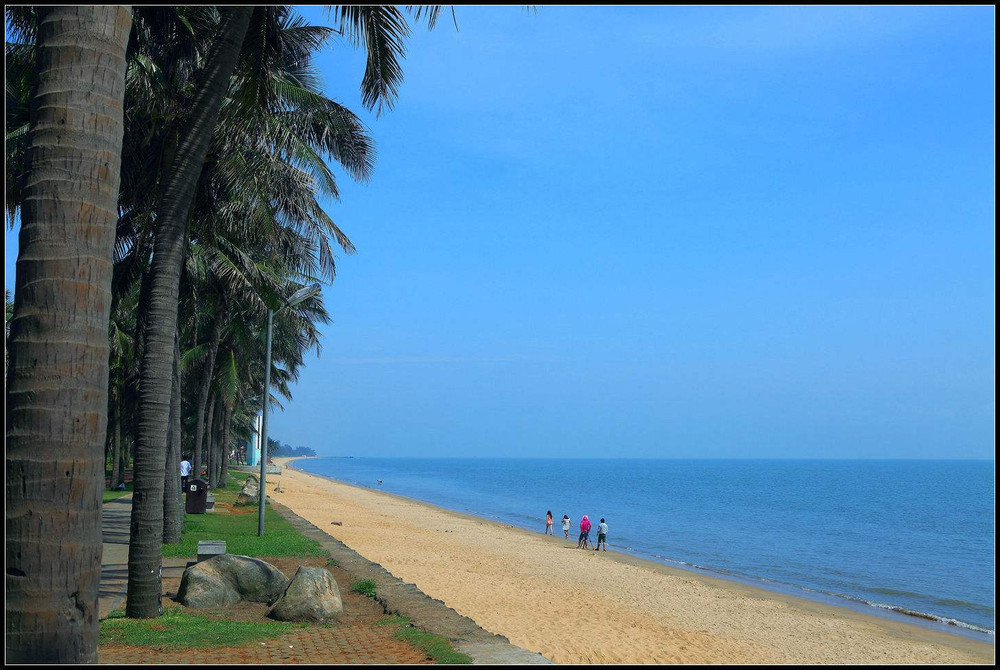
x=897 y=535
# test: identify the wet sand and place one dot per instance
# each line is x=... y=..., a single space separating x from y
x=577 y=606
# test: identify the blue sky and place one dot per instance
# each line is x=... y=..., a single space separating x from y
x=667 y=232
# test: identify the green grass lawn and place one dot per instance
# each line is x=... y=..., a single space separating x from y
x=435 y=646
x=233 y=485
x=240 y=530
x=113 y=495
x=179 y=628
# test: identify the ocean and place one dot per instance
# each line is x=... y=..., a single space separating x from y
x=888 y=536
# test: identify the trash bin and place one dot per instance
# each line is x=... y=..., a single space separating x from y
x=196 y=496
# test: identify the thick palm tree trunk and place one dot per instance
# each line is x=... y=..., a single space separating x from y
x=146 y=545
x=57 y=395
x=203 y=391
x=173 y=511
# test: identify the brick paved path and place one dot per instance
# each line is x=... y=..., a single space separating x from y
x=352 y=644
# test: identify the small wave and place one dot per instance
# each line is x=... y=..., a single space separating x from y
x=871 y=603
x=949 y=602
x=914 y=613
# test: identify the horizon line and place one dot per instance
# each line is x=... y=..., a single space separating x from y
x=673 y=458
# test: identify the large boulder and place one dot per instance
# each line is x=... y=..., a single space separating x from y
x=312 y=595
x=226 y=580
x=249 y=492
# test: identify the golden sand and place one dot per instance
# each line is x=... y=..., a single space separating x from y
x=577 y=606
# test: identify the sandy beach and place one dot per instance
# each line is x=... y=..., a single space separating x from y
x=583 y=607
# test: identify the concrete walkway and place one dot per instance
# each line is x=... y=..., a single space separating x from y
x=115 y=517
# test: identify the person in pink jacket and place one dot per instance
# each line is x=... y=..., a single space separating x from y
x=584 y=542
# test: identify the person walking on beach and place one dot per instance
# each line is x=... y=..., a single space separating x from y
x=548 y=522
x=566 y=524
x=602 y=535
x=584 y=541
x=185 y=473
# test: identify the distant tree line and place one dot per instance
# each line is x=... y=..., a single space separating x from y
x=275 y=448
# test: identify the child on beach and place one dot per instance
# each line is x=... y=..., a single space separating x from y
x=602 y=535
x=583 y=542
x=548 y=522
x=566 y=523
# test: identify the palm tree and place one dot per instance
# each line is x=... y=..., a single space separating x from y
x=173 y=510
x=180 y=181
x=205 y=387
x=383 y=31
x=57 y=381
x=121 y=339
x=240 y=377
x=271 y=121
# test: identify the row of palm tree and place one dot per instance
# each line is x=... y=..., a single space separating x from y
x=166 y=165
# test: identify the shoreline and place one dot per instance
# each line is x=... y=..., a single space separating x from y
x=713 y=605
x=860 y=605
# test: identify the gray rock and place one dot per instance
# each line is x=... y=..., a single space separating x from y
x=206 y=588
x=226 y=580
x=312 y=595
x=250 y=491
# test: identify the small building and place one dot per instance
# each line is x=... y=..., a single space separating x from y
x=253 y=449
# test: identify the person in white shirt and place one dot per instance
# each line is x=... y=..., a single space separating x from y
x=565 y=525
x=602 y=536
x=185 y=473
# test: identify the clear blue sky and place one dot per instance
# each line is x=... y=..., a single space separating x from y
x=668 y=232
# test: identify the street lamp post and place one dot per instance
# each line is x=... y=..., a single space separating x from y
x=297 y=297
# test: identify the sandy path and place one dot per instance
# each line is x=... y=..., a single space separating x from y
x=580 y=606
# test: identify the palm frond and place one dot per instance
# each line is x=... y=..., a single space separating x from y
x=383 y=31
